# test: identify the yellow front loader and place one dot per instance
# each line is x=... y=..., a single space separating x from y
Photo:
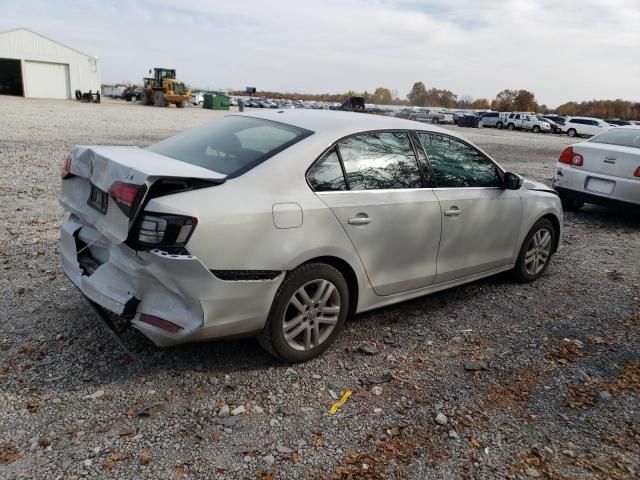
x=163 y=89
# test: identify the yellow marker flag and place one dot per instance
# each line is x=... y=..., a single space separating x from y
x=340 y=402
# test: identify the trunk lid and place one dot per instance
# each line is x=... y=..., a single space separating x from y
x=613 y=160
x=94 y=170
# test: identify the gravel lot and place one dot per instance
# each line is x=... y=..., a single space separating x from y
x=552 y=392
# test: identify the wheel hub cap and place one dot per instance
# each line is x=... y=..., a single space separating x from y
x=311 y=315
x=538 y=252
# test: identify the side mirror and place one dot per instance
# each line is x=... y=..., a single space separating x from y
x=512 y=181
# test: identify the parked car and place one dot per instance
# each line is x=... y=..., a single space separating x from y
x=584 y=126
x=281 y=224
x=527 y=121
x=534 y=124
x=556 y=118
x=604 y=170
x=620 y=123
x=555 y=127
x=468 y=120
x=131 y=94
x=491 y=119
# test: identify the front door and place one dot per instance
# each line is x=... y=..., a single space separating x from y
x=393 y=222
x=480 y=219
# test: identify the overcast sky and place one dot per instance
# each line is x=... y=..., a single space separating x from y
x=560 y=49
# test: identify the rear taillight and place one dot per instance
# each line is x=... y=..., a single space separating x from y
x=637 y=172
x=126 y=196
x=65 y=171
x=160 y=323
x=165 y=230
x=569 y=157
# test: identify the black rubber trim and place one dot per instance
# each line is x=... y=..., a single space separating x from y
x=596 y=199
x=246 y=275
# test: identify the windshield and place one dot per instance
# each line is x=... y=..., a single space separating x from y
x=231 y=145
x=626 y=137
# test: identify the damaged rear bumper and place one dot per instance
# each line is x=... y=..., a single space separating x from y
x=177 y=288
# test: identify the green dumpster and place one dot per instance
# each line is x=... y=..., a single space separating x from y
x=216 y=101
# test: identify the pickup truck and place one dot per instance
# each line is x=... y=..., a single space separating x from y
x=426 y=115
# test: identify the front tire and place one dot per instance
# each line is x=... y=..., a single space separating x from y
x=536 y=251
x=499 y=125
x=511 y=126
x=536 y=129
x=308 y=312
x=572 y=132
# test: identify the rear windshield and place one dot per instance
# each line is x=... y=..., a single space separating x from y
x=626 y=137
x=231 y=145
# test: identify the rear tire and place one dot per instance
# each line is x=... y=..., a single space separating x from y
x=311 y=325
x=499 y=125
x=536 y=129
x=570 y=204
x=536 y=252
x=511 y=126
x=181 y=104
x=572 y=132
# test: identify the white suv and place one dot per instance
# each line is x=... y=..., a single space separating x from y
x=527 y=121
x=588 y=126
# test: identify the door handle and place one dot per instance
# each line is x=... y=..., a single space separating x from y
x=360 y=220
x=453 y=212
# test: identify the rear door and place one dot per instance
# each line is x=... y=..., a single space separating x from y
x=480 y=219
x=373 y=184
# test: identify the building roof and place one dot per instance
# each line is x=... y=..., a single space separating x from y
x=22 y=29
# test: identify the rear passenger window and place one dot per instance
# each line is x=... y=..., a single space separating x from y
x=326 y=174
x=383 y=160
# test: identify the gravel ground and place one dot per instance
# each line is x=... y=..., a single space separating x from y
x=488 y=380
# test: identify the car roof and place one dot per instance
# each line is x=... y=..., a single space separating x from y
x=339 y=123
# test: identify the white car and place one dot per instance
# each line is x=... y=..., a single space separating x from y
x=584 y=126
x=281 y=223
x=604 y=170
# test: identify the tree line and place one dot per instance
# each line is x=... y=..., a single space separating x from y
x=505 y=101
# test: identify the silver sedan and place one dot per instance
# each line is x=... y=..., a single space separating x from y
x=281 y=224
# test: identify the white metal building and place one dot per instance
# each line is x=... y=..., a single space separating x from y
x=34 y=66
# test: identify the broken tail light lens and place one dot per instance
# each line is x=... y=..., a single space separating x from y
x=637 y=172
x=65 y=171
x=126 y=196
x=165 y=230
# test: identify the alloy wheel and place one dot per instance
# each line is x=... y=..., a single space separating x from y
x=311 y=315
x=538 y=252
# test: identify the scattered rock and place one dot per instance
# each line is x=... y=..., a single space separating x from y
x=224 y=411
x=20 y=290
x=238 y=410
x=475 y=365
x=441 y=419
x=229 y=422
x=454 y=435
x=368 y=349
x=604 y=396
x=145 y=458
x=94 y=396
x=283 y=449
x=376 y=390
x=532 y=472
x=269 y=459
x=257 y=409
x=374 y=380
